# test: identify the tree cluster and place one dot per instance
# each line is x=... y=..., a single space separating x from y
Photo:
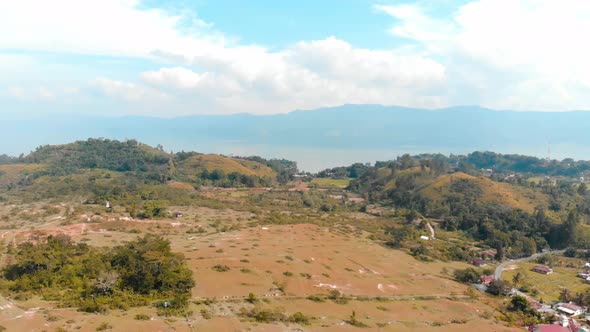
x=138 y=273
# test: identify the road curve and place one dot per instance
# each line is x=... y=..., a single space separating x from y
x=502 y=266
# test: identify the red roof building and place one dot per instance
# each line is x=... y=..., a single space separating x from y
x=487 y=280
x=548 y=328
x=490 y=254
x=543 y=269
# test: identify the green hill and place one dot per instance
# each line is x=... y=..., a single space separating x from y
x=139 y=163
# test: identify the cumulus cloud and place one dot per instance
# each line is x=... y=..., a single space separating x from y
x=523 y=54
x=128 y=91
x=309 y=74
x=496 y=53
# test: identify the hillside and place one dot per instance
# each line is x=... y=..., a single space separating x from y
x=116 y=170
x=492 y=192
x=196 y=165
x=15 y=172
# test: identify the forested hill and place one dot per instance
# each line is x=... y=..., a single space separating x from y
x=516 y=213
x=148 y=163
x=100 y=153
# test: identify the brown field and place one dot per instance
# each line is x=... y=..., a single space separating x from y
x=281 y=264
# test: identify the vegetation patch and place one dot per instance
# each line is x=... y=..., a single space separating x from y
x=97 y=279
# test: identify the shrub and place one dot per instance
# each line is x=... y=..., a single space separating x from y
x=221 y=268
x=104 y=326
x=205 y=314
x=299 y=318
x=468 y=275
x=142 y=317
x=315 y=298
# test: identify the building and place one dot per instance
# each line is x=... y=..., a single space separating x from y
x=548 y=328
x=487 y=280
x=488 y=254
x=478 y=262
x=487 y=172
x=178 y=214
x=542 y=269
x=570 y=308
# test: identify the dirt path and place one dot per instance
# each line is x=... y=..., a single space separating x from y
x=431 y=230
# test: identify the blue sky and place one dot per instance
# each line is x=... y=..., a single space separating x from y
x=168 y=58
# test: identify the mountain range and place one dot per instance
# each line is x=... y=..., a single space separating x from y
x=351 y=127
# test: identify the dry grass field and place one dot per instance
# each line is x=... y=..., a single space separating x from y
x=232 y=255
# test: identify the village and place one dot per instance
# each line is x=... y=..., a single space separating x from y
x=567 y=316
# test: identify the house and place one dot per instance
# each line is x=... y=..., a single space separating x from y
x=488 y=254
x=570 y=308
x=356 y=200
x=539 y=306
x=478 y=262
x=178 y=215
x=487 y=172
x=487 y=280
x=548 y=328
x=542 y=269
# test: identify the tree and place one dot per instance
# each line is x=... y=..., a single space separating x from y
x=406 y=162
x=571 y=226
x=468 y=275
x=251 y=298
x=519 y=303
x=411 y=216
x=499 y=287
x=565 y=295
x=517 y=279
x=582 y=189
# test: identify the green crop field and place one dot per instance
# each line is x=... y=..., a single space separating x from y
x=331 y=183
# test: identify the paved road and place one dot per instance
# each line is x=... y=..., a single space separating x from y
x=501 y=267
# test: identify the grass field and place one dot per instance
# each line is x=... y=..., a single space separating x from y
x=550 y=285
x=330 y=183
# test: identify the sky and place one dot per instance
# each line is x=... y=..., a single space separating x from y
x=172 y=58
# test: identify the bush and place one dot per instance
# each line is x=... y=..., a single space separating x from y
x=205 y=314
x=104 y=326
x=315 y=298
x=221 y=268
x=142 y=317
x=299 y=318
x=468 y=275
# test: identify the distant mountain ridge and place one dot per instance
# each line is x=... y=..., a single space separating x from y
x=467 y=128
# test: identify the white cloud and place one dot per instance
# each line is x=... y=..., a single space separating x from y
x=208 y=69
x=309 y=74
x=128 y=91
x=523 y=54
x=108 y=27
